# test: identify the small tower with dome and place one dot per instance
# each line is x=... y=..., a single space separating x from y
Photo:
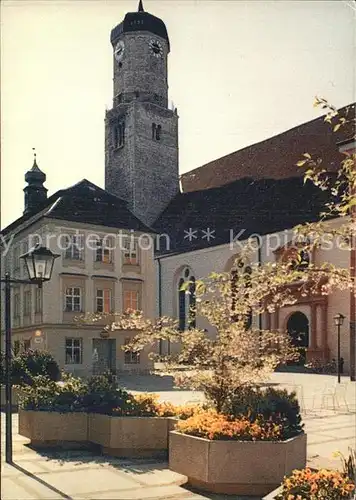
x=35 y=192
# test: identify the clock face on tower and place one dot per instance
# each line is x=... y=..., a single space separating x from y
x=119 y=50
x=156 y=48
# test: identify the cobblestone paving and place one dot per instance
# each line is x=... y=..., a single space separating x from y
x=330 y=422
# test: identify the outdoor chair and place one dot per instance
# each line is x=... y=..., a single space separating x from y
x=335 y=394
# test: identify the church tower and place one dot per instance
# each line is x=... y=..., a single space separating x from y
x=141 y=131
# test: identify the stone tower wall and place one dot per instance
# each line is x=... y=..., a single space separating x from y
x=144 y=170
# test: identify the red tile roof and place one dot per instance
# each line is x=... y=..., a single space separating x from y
x=273 y=158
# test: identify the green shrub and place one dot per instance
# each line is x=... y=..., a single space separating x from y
x=40 y=395
x=45 y=394
x=32 y=363
x=98 y=395
x=103 y=395
x=275 y=405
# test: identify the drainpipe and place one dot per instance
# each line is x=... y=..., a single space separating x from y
x=160 y=299
x=259 y=258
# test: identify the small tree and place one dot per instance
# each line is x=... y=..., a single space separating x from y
x=237 y=355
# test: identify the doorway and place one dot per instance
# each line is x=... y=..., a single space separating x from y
x=298 y=329
x=104 y=356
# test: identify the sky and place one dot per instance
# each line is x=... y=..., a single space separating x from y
x=239 y=72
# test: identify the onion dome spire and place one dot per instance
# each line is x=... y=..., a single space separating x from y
x=35 y=192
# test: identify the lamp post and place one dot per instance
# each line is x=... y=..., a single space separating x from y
x=39 y=263
x=338 y=319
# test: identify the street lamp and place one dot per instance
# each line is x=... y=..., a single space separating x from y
x=39 y=264
x=338 y=319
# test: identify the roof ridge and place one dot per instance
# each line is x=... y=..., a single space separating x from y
x=263 y=140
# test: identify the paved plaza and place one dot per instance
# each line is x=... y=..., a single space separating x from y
x=329 y=413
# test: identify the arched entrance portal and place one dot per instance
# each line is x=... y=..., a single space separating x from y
x=298 y=329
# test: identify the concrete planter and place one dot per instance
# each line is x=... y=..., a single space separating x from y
x=54 y=429
x=130 y=436
x=235 y=467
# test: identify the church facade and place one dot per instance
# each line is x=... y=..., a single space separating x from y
x=255 y=192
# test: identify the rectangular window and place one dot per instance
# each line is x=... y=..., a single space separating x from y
x=103 y=301
x=24 y=250
x=131 y=252
x=74 y=249
x=131 y=357
x=38 y=300
x=16 y=258
x=73 y=299
x=27 y=303
x=103 y=252
x=16 y=305
x=74 y=351
x=131 y=300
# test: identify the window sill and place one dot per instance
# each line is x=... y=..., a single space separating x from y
x=131 y=268
x=98 y=264
x=73 y=262
x=71 y=316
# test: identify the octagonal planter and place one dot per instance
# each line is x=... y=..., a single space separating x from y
x=53 y=429
x=235 y=467
x=130 y=436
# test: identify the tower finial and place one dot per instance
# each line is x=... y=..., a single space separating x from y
x=34 y=157
x=140 y=6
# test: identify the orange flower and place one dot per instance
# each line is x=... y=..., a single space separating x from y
x=314 y=485
x=212 y=425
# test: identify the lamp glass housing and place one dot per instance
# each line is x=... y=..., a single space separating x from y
x=39 y=263
x=339 y=319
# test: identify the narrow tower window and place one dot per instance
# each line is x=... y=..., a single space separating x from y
x=158 y=132
x=115 y=137
x=119 y=135
x=154 y=130
x=122 y=134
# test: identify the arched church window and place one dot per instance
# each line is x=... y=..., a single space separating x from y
x=192 y=303
x=240 y=275
x=186 y=300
